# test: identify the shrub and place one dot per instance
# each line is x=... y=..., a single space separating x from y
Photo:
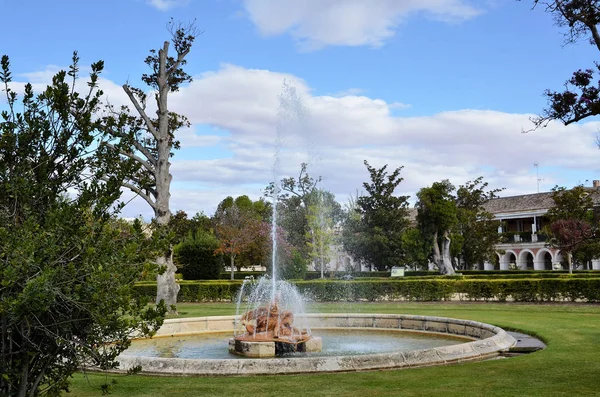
x=520 y=290
x=196 y=256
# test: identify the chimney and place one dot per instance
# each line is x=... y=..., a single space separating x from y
x=596 y=183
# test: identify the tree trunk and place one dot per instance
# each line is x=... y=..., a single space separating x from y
x=570 y=262
x=447 y=261
x=166 y=286
x=232 y=266
x=441 y=257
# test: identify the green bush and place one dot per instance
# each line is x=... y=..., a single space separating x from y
x=520 y=290
x=196 y=258
x=241 y=275
x=294 y=268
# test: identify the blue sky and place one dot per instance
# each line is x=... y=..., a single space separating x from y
x=441 y=87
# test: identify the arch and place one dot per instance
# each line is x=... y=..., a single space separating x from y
x=544 y=259
x=508 y=259
x=496 y=259
x=525 y=260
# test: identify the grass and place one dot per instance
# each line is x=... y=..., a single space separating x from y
x=570 y=366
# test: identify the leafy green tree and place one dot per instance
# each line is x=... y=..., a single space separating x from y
x=294 y=198
x=476 y=227
x=581 y=97
x=416 y=248
x=375 y=237
x=574 y=224
x=456 y=225
x=243 y=232
x=321 y=234
x=181 y=226
x=294 y=268
x=67 y=265
x=196 y=256
x=436 y=217
x=143 y=145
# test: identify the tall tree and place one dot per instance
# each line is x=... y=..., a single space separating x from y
x=67 y=266
x=581 y=97
x=321 y=226
x=143 y=144
x=242 y=231
x=375 y=237
x=295 y=197
x=476 y=226
x=436 y=217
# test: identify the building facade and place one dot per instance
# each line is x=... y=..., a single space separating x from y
x=524 y=247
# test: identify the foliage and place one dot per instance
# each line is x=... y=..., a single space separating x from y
x=375 y=235
x=436 y=217
x=477 y=227
x=295 y=196
x=321 y=234
x=181 y=226
x=456 y=224
x=416 y=248
x=581 y=97
x=521 y=289
x=295 y=268
x=67 y=266
x=196 y=257
x=243 y=232
x=574 y=224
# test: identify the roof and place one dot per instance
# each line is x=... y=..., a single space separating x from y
x=526 y=202
x=530 y=202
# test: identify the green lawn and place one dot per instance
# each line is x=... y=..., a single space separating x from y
x=569 y=366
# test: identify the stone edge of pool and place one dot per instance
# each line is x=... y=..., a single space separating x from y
x=489 y=341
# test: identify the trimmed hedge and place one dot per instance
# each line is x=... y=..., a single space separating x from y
x=519 y=290
x=240 y=275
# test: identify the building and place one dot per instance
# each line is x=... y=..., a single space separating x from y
x=523 y=217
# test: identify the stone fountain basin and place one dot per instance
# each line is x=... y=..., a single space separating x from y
x=482 y=341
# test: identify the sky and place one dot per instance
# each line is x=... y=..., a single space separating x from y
x=442 y=88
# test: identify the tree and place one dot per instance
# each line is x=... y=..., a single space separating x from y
x=321 y=234
x=574 y=224
x=455 y=224
x=181 y=226
x=477 y=227
x=142 y=145
x=375 y=236
x=67 y=265
x=240 y=229
x=436 y=217
x=416 y=248
x=581 y=97
x=294 y=198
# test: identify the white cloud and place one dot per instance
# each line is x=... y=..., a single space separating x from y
x=319 y=23
x=339 y=133
x=165 y=5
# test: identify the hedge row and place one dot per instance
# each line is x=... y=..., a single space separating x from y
x=520 y=290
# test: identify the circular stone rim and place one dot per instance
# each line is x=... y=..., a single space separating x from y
x=488 y=341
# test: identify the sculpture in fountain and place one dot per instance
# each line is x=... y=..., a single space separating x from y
x=268 y=327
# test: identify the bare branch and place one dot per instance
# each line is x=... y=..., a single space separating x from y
x=140 y=193
x=144 y=163
x=141 y=111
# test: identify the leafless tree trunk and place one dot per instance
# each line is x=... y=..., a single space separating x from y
x=441 y=257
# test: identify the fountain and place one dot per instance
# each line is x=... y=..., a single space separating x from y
x=269 y=323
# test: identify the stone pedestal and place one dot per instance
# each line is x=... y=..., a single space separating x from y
x=262 y=349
